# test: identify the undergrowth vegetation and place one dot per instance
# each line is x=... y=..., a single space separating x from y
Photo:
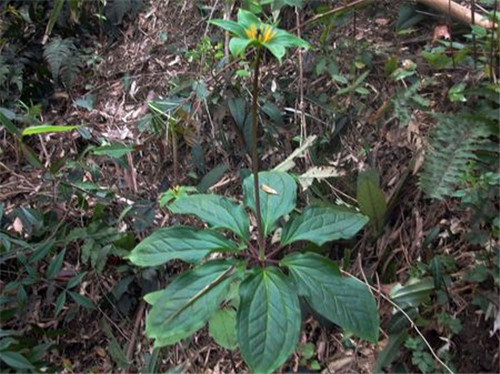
x=312 y=186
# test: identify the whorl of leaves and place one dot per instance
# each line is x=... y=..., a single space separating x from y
x=454 y=143
x=63 y=59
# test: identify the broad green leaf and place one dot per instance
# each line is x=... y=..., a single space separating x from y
x=222 y=328
x=278 y=50
x=272 y=205
x=187 y=303
x=237 y=45
x=217 y=211
x=115 y=150
x=43 y=129
x=372 y=202
x=179 y=242
x=15 y=360
x=344 y=301
x=230 y=26
x=247 y=19
x=322 y=224
x=152 y=297
x=286 y=39
x=268 y=320
x=415 y=292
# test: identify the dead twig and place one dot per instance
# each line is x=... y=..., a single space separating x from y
x=412 y=324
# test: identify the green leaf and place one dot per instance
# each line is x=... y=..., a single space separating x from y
x=187 y=303
x=75 y=280
x=15 y=360
x=178 y=242
x=238 y=45
x=272 y=206
x=344 y=301
x=246 y=18
x=212 y=177
x=295 y=3
x=415 y=292
x=286 y=39
x=55 y=265
x=82 y=300
x=60 y=301
x=6 y=343
x=7 y=123
x=115 y=350
x=390 y=352
x=115 y=150
x=43 y=129
x=30 y=155
x=322 y=224
x=372 y=202
x=230 y=26
x=217 y=211
x=268 y=320
x=278 y=50
x=222 y=328
x=307 y=350
x=54 y=15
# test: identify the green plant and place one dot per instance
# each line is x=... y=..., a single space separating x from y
x=420 y=357
x=268 y=316
x=455 y=142
x=266 y=276
x=63 y=59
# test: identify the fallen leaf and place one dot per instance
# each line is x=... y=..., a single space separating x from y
x=441 y=31
x=18 y=225
x=269 y=190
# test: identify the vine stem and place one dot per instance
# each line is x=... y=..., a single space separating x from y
x=255 y=156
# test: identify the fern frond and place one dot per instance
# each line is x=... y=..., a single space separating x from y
x=70 y=68
x=455 y=142
x=58 y=53
x=4 y=71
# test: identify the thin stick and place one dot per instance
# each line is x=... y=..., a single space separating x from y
x=303 y=128
x=333 y=11
x=137 y=324
x=406 y=316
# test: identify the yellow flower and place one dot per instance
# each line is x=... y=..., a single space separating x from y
x=263 y=34
x=251 y=32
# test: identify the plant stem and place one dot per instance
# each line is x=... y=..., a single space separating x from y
x=255 y=156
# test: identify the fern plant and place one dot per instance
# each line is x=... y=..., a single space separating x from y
x=455 y=142
x=63 y=58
